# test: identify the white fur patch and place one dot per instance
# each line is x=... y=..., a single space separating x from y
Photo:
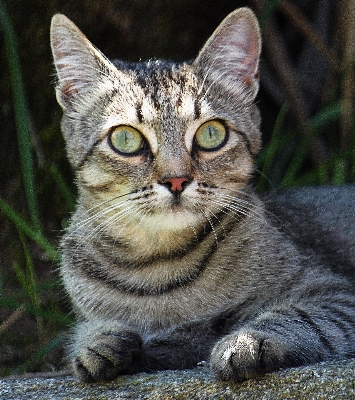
x=244 y=344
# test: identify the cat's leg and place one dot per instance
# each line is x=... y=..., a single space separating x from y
x=285 y=338
x=180 y=347
x=102 y=350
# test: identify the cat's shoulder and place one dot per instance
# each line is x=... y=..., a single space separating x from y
x=328 y=204
x=321 y=218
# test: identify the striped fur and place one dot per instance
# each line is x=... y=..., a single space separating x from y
x=164 y=278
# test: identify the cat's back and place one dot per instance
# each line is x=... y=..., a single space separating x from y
x=320 y=220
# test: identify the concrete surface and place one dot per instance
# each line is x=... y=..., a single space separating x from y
x=332 y=380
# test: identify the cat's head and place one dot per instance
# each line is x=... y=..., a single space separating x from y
x=171 y=144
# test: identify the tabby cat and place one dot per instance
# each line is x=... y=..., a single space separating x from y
x=171 y=258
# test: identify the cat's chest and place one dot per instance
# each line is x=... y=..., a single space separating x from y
x=195 y=286
x=202 y=300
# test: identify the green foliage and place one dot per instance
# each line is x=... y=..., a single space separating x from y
x=267 y=12
x=285 y=161
x=21 y=116
x=29 y=300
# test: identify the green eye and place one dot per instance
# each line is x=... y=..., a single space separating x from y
x=127 y=140
x=211 y=135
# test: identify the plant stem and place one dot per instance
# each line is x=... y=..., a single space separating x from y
x=25 y=227
x=21 y=116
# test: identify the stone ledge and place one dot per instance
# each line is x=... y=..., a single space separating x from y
x=330 y=380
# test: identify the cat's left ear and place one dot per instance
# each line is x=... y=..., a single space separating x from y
x=231 y=55
x=80 y=66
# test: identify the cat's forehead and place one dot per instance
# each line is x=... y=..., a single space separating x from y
x=160 y=74
x=155 y=88
x=168 y=86
x=157 y=97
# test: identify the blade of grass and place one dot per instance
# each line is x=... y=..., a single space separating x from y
x=274 y=146
x=352 y=152
x=21 y=116
x=62 y=186
x=29 y=285
x=32 y=233
x=323 y=174
x=328 y=114
x=339 y=172
x=18 y=313
x=1 y=286
x=39 y=355
x=317 y=176
x=21 y=277
x=267 y=11
x=54 y=315
x=27 y=277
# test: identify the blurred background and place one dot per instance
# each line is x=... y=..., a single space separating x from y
x=306 y=101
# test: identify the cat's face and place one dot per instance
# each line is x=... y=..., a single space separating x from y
x=161 y=146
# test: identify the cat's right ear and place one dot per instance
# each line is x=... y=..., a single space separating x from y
x=230 y=57
x=80 y=66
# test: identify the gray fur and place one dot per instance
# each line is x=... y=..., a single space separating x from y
x=164 y=278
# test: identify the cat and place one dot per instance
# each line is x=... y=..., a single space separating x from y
x=171 y=258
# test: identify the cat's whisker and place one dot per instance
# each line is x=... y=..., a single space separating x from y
x=223 y=209
x=94 y=235
x=130 y=209
x=239 y=208
x=249 y=206
x=210 y=222
x=189 y=225
x=194 y=231
x=99 y=205
x=219 y=221
x=233 y=212
x=234 y=199
x=102 y=228
x=254 y=207
x=242 y=193
x=137 y=211
x=81 y=223
x=96 y=232
x=91 y=211
x=109 y=221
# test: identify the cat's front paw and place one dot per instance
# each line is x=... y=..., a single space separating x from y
x=107 y=355
x=245 y=355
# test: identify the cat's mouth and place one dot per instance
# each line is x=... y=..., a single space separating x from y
x=176 y=203
x=176 y=207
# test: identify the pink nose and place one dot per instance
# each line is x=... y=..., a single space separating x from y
x=176 y=185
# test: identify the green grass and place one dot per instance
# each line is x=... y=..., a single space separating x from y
x=29 y=299
x=285 y=161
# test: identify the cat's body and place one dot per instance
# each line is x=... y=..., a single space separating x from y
x=171 y=258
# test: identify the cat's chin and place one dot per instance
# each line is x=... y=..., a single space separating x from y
x=176 y=219
x=163 y=233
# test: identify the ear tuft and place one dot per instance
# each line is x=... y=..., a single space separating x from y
x=231 y=55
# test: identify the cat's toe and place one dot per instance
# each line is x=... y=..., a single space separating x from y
x=108 y=355
x=245 y=355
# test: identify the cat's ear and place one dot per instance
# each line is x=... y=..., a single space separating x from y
x=80 y=66
x=231 y=55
